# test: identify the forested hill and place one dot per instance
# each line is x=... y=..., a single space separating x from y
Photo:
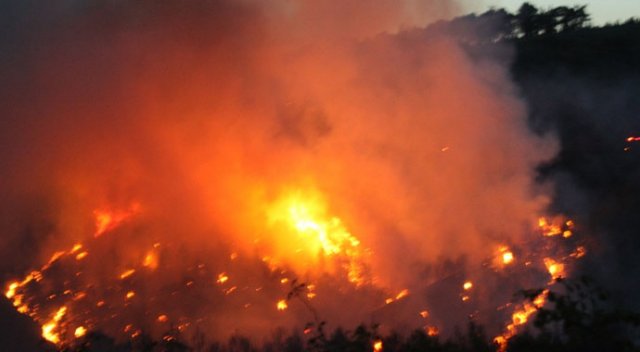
x=607 y=53
x=582 y=84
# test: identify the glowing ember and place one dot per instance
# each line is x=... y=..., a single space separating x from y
x=555 y=227
x=506 y=255
x=79 y=331
x=282 y=304
x=127 y=273
x=162 y=318
x=519 y=318
x=222 y=278
x=402 y=294
x=424 y=314
x=555 y=269
x=633 y=139
x=467 y=285
x=377 y=346
x=49 y=332
x=579 y=252
x=432 y=330
x=130 y=294
x=150 y=260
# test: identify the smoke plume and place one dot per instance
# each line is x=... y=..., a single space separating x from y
x=203 y=119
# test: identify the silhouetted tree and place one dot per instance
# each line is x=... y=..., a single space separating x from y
x=527 y=20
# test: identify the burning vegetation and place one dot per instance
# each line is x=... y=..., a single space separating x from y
x=220 y=168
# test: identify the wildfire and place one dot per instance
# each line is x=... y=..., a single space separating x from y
x=519 y=318
x=555 y=269
x=313 y=235
x=49 y=328
x=556 y=227
x=321 y=234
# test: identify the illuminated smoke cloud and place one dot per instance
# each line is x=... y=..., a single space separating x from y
x=209 y=156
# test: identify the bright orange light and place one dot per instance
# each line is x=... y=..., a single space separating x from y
x=79 y=331
x=579 y=252
x=150 y=260
x=518 y=318
x=222 y=278
x=555 y=227
x=555 y=269
x=377 y=346
x=130 y=294
x=282 y=304
x=127 y=273
x=467 y=285
x=318 y=234
x=162 y=318
x=48 y=329
x=402 y=294
x=507 y=257
x=432 y=330
x=106 y=220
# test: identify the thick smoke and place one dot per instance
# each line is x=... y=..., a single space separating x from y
x=207 y=112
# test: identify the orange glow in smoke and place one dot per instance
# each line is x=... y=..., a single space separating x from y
x=319 y=235
x=107 y=220
x=150 y=260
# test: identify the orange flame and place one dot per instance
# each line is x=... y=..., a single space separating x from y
x=107 y=220
x=555 y=269
x=282 y=304
x=377 y=346
x=319 y=234
x=49 y=332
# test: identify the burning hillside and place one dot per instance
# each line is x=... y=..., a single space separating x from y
x=223 y=167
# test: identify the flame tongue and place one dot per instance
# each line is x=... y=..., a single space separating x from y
x=320 y=235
